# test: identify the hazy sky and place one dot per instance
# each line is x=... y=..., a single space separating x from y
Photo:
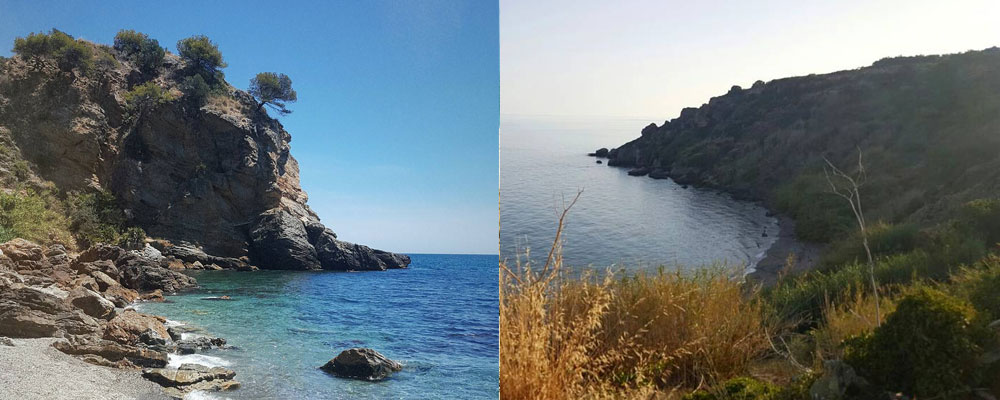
x=652 y=58
x=396 y=124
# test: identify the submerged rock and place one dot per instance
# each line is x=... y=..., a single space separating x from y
x=361 y=363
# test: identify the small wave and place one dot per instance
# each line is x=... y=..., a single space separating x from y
x=190 y=336
x=176 y=360
x=202 y=395
x=171 y=323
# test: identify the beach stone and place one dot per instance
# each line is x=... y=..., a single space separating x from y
x=6 y=341
x=92 y=303
x=112 y=351
x=130 y=327
x=187 y=374
x=361 y=363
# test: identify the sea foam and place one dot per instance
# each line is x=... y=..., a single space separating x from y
x=176 y=360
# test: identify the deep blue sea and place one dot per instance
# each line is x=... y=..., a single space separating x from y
x=438 y=318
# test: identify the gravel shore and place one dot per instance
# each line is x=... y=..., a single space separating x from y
x=32 y=369
x=773 y=263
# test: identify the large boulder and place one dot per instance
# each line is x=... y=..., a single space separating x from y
x=133 y=328
x=278 y=240
x=22 y=250
x=361 y=363
x=113 y=352
x=142 y=275
x=30 y=312
x=92 y=303
x=187 y=374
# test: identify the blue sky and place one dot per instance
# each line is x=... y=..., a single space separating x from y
x=396 y=124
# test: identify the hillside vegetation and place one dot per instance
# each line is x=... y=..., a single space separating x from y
x=928 y=129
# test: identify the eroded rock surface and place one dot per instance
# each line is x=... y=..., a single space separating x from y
x=220 y=178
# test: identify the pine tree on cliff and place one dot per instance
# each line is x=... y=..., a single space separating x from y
x=273 y=89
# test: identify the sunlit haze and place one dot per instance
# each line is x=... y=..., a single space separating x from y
x=652 y=58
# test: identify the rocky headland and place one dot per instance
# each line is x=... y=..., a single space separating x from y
x=925 y=126
x=216 y=182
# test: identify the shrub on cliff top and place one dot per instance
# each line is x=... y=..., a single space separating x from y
x=145 y=52
x=67 y=52
x=925 y=348
x=203 y=57
x=273 y=89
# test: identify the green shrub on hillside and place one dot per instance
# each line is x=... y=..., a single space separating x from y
x=195 y=90
x=33 y=216
x=744 y=388
x=145 y=52
x=819 y=215
x=67 y=52
x=97 y=218
x=146 y=96
x=980 y=285
x=982 y=218
x=925 y=348
x=884 y=239
x=203 y=58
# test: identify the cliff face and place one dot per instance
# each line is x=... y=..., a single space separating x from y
x=217 y=181
x=927 y=127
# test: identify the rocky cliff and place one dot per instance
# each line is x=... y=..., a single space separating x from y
x=927 y=127
x=217 y=182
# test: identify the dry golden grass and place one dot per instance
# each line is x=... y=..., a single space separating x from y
x=850 y=318
x=644 y=336
x=225 y=104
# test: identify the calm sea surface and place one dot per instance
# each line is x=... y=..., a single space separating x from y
x=438 y=318
x=630 y=222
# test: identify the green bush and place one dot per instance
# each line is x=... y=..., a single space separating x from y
x=138 y=47
x=925 y=348
x=95 y=218
x=819 y=216
x=736 y=389
x=203 y=58
x=67 y=52
x=982 y=218
x=146 y=96
x=33 y=216
x=980 y=285
x=132 y=238
x=195 y=90
x=884 y=239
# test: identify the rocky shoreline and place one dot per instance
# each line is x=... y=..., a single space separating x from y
x=787 y=255
x=83 y=305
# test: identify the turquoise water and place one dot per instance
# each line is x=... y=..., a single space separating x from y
x=438 y=318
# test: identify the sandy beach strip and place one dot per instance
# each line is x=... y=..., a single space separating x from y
x=33 y=369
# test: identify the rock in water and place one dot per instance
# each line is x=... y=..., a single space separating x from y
x=360 y=363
